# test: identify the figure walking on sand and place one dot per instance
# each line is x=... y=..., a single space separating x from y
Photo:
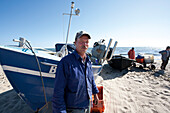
x=165 y=57
x=131 y=53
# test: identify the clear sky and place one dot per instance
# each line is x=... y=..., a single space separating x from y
x=138 y=23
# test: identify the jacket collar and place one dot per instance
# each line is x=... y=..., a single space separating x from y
x=78 y=57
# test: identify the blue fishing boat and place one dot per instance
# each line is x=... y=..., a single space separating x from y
x=21 y=68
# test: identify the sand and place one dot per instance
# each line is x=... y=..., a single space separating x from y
x=132 y=90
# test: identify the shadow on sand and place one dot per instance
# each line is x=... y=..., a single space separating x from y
x=109 y=73
x=10 y=102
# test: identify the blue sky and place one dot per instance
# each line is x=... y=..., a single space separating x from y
x=138 y=23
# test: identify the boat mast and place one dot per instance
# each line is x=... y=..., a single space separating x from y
x=77 y=11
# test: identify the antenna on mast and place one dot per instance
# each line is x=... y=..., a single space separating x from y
x=77 y=11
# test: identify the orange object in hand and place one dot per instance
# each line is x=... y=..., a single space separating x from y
x=99 y=108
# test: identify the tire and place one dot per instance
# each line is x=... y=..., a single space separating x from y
x=134 y=65
x=140 y=67
x=153 y=67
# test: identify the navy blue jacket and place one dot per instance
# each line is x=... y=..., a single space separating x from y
x=165 y=54
x=74 y=84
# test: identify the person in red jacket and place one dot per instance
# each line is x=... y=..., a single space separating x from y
x=131 y=53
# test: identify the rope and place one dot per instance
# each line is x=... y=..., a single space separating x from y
x=29 y=46
x=42 y=108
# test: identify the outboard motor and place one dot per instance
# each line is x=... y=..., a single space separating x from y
x=98 y=52
x=21 y=41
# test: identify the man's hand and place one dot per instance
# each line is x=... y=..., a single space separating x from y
x=96 y=99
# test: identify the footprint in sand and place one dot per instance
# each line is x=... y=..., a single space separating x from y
x=150 y=94
x=164 y=98
x=151 y=103
x=125 y=107
x=138 y=80
x=166 y=93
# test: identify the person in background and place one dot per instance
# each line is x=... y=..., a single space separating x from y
x=74 y=81
x=165 y=57
x=131 y=53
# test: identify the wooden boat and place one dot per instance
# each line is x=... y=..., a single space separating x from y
x=119 y=62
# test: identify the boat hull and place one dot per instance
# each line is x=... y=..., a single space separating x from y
x=30 y=89
x=120 y=63
x=23 y=74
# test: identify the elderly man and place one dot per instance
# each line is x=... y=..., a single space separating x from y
x=74 y=81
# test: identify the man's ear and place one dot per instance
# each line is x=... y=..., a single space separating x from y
x=75 y=42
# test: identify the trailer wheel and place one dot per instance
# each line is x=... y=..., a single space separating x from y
x=153 y=67
x=140 y=67
x=133 y=64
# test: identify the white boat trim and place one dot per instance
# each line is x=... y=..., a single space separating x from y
x=96 y=66
x=27 y=71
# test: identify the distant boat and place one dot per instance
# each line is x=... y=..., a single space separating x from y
x=119 y=62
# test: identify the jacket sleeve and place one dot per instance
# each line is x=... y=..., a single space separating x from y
x=160 y=52
x=58 y=95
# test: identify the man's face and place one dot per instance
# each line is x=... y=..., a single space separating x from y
x=82 y=44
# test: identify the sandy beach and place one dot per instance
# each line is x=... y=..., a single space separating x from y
x=132 y=90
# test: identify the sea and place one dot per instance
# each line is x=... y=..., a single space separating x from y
x=138 y=50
